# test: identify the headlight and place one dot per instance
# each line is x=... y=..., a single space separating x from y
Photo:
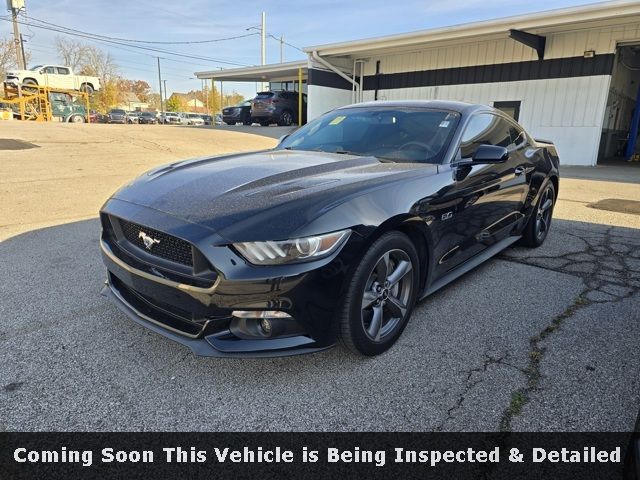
x=291 y=251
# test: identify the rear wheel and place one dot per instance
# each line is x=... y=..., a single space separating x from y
x=286 y=119
x=380 y=296
x=86 y=88
x=538 y=226
x=76 y=119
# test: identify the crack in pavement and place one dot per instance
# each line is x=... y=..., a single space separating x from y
x=475 y=377
x=609 y=266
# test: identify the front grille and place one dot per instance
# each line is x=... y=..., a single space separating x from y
x=168 y=247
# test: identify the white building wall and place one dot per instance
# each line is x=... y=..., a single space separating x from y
x=472 y=52
x=322 y=99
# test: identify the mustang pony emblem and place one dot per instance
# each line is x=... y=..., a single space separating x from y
x=147 y=240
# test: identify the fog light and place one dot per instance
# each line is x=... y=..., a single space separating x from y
x=259 y=314
x=265 y=325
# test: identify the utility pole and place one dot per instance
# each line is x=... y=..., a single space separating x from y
x=281 y=46
x=165 y=92
x=160 y=84
x=263 y=37
x=24 y=58
x=15 y=6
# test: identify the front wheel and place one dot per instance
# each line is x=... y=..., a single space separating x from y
x=537 y=228
x=380 y=296
x=76 y=119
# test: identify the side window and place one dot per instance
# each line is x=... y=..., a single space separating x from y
x=63 y=71
x=49 y=70
x=484 y=129
x=518 y=138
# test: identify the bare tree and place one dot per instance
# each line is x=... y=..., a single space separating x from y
x=72 y=52
x=8 y=58
x=100 y=64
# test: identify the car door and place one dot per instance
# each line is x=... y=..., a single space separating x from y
x=65 y=79
x=485 y=200
x=50 y=76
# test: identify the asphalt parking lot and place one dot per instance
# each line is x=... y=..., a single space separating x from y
x=542 y=340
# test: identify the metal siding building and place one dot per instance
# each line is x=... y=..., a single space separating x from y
x=574 y=91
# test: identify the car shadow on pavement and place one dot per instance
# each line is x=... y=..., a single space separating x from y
x=541 y=339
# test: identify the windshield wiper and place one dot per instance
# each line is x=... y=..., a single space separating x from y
x=348 y=152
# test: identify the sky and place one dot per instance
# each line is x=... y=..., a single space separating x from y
x=302 y=24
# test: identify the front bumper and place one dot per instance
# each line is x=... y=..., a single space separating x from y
x=195 y=309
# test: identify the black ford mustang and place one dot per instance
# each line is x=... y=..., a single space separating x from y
x=334 y=234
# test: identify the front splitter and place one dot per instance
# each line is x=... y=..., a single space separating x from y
x=203 y=346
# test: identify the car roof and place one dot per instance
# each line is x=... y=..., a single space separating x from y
x=461 y=107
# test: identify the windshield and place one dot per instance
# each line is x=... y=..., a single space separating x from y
x=399 y=134
x=119 y=112
x=37 y=67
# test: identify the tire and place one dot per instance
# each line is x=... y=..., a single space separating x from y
x=28 y=85
x=286 y=119
x=359 y=330
x=86 y=88
x=76 y=119
x=537 y=228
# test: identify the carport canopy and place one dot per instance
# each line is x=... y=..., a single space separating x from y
x=259 y=73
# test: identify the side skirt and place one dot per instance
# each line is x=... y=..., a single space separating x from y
x=470 y=265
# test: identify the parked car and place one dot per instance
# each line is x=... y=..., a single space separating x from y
x=279 y=107
x=208 y=119
x=117 y=115
x=240 y=113
x=133 y=117
x=344 y=226
x=171 y=118
x=97 y=117
x=218 y=119
x=54 y=76
x=194 y=119
x=148 y=118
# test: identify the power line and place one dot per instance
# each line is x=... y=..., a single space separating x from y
x=282 y=41
x=114 y=42
x=186 y=42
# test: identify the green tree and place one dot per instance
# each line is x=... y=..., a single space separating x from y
x=174 y=104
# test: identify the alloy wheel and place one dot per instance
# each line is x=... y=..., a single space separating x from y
x=543 y=215
x=387 y=294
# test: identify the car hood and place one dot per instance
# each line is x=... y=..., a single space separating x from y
x=272 y=193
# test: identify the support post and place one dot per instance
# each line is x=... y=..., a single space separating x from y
x=633 y=131
x=299 y=97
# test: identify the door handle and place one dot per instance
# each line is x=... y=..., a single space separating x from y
x=519 y=170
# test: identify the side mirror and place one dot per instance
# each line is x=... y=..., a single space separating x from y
x=490 y=154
